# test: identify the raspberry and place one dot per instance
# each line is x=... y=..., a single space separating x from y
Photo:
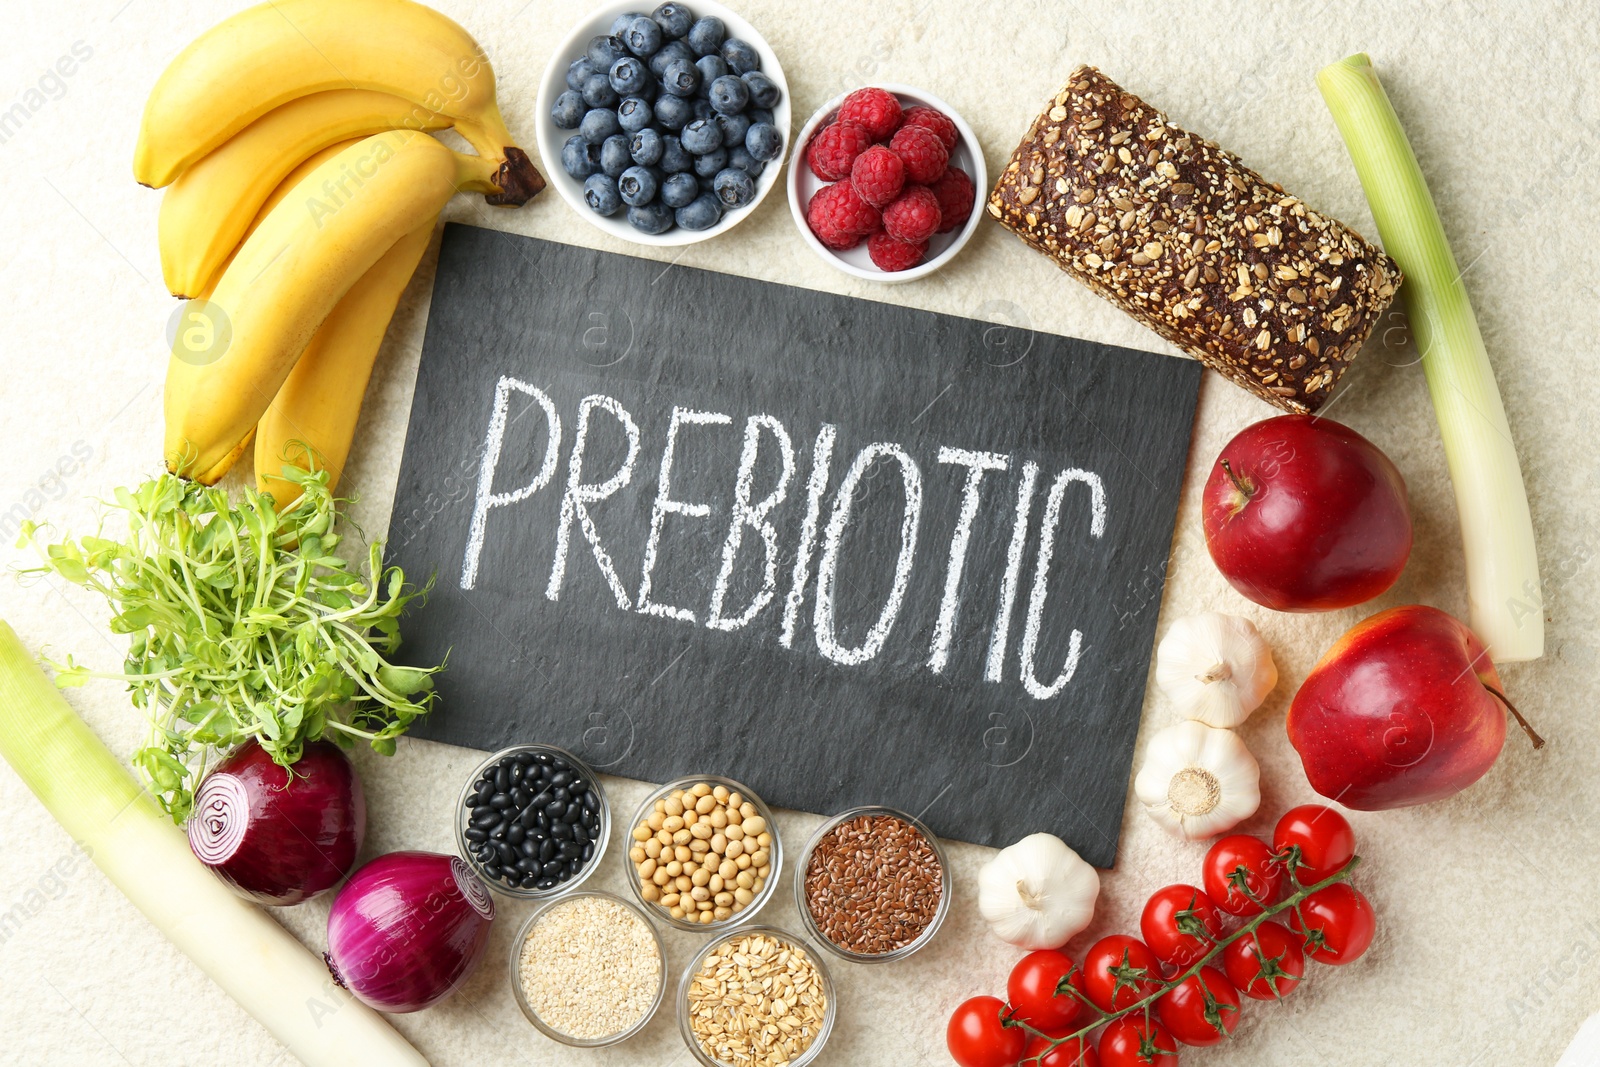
x=878 y=175
x=875 y=109
x=839 y=217
x=836 y=146
x=892 y=255
x=924 y=155
x=936 y=121
x=956 y=194
x=914 y=217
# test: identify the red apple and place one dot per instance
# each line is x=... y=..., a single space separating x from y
x=1303 y=514
x=1405 y=708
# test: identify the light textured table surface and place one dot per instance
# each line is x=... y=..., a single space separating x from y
x=1488 y=947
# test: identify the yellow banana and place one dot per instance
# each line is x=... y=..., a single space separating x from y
x=275 y=52
x=313 y=418
x=307 y=252
x=206 y=212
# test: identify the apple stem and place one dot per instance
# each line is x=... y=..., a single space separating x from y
x=1238 y=483
x=1538 y=742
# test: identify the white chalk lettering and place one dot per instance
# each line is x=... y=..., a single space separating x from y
x=754 y=517
x=1041 y=580
x=827 y=571
x=994 y=670
x=575 y=502
x=493 y=442
x=976 y=463
x=665 y=506
x=816 y=486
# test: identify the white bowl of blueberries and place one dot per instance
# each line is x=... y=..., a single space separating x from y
x=663 y=127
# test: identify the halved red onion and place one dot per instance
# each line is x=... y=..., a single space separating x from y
x=407 y=930
x=276 y=835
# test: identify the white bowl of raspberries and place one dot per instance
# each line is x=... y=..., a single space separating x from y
x=884 y=182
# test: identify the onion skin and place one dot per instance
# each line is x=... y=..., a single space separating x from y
x=279 y=836
x=408 y=929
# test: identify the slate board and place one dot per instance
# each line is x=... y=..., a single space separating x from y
x=853 y=715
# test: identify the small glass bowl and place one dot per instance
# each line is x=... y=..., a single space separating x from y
x=462 y=821
x=522 y=998
x=775 y=854
x=946 y=887
x=828 y=1016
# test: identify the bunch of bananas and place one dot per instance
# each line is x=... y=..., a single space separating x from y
x=302 y=191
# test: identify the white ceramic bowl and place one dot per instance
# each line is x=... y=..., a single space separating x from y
x=942 y=247
x=551 y=137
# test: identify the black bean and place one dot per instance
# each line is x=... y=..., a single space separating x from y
x=529 y=881
x=508 y=855
x=542 y=757
x=561 y=830
x=486 y=818
x=547 y=849
x=588 y=852
x=592 y=822
x=545 y=883
x=591 y=801
x=529 y=847
x=579 y=834
x=521 y=796
x=502 y=778
x=500 y=800
x=473 y=833
x=561 y=793
x=492 y=870
x=556 y=808
x=578 y=785
x=551 y=869
x=543 y=798
x=541 y=821
x=515 y=834
x=516 y=772
x=561 y=778
x=524 y=758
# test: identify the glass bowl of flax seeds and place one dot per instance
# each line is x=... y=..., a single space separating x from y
x=873 y=885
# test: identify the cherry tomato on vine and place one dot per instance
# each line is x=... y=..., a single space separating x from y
x=1037 y=994
x=1339 y=923
x=1075 y=1053
x=1119 y=971
x=1186 y=1014
x=1131 y=1041
x=1180 y=924
x=1322 y=835
x=978 y=1037
x=1266 y=964
x=1241 y=858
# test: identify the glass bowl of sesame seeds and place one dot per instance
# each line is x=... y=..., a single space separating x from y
x=756 y=996
x=588 y=969
x=873 y=885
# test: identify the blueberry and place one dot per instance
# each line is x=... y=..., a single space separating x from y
x=762 y=114
x=605 y=50
x=764 y=92
x=569 y=110
x=579 y=158
x=600 y=193
x=673 y=112
x=620 y=24
x=742 y=58
x=733 y=127
x=706 y=35
x=730 y=95
x=578 y=73
x=675 y=159
x=646 y=147
x=674 y=20
x=708 y=165
x=629 y=76
x=598 y=124
x=638 y=186
x=670 y=51
x=764 y=141
x=679 y=190
x=651 y=218
x=634 y=114
x=681 y=78
x=733 y=187
x=597 y=92
x=643 y=37
x=711 y=68
x=740 y=157
x=615 y=155
x=702 y=213
x=701 y=136
x=703 y=110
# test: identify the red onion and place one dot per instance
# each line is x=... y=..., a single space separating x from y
x=407 y=929
x=277 y=835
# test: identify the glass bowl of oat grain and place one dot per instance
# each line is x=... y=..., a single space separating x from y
x=756 y=995
x=588 y=969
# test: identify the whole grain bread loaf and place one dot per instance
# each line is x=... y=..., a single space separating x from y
x=1184 y=237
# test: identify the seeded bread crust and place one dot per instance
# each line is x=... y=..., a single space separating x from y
x=1184 y=237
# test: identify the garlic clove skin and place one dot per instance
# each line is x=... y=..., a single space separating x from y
x=1215 y=668
x=1198 y=781
x=1037 y=893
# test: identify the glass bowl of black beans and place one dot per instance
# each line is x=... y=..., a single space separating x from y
x=533 y=821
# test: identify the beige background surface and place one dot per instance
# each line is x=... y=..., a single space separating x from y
x=1488 y=950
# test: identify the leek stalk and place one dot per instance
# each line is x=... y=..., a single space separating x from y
x=122 y=828
x=1503 y=590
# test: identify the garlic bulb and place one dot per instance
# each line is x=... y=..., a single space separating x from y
x=1037 y=893
x=1216 y=668
x=1197 y=780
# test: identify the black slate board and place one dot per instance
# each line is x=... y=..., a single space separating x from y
x=654 y=695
